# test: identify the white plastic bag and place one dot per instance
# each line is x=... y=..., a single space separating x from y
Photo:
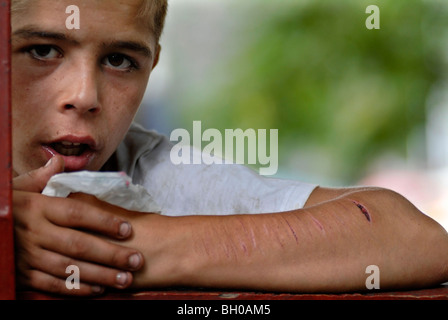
x=113 y=187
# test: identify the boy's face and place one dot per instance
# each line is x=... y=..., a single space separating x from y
x=75 y=92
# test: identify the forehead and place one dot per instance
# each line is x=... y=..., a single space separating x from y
x=97 y=18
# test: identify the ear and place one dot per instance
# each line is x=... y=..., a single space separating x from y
x=156 y=55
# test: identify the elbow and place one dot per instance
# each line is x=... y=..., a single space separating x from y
x=386 y=204
x=421 y=239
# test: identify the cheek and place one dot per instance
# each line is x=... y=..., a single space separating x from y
x=122 y=107
x=22 y=109
x=125 y=102
x=29 y=109
x=30 y=99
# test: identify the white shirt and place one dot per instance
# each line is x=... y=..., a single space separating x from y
x=200 y=189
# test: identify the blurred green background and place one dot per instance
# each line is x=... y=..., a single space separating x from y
x=341 y=95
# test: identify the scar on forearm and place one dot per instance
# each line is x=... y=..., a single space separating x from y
x=291 y=229
x=363 y=209
x=317 y=223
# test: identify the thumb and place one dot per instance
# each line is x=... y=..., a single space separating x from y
x=36 y=180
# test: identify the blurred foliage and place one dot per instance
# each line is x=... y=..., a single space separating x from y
x=341 y=95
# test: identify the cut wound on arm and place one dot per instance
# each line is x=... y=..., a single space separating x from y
x=363 y=209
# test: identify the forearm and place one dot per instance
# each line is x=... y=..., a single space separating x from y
x=324 y=247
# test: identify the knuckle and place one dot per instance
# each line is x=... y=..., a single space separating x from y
x=77 y=245
x=65 y=263
x=111 y=225
x=110 y=222
x=32 y=175
x=33 y=258
x=29 y=213
x=74 y=212
x=118 y=258
x=24 y=202
x=56 y=285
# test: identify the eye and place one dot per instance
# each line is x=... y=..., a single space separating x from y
x=119 y=61
x=44 y=52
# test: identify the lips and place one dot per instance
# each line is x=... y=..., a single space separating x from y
x=77 y=152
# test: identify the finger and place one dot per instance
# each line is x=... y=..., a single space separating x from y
x=83 y=246
x=36 y=180
x=56 y=265
x=105 y=206
x=55 y=232
x=42 y=281
x=78 y=214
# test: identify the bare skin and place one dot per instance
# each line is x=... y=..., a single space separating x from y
x=79 y=87
x=324 y=247
x=49 y=238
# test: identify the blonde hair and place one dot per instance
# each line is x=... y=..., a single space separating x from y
x=152 y=13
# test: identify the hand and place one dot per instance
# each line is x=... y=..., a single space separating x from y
x=53 y=233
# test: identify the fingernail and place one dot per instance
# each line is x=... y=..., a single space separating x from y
x=122 y=278
x=48 y=162
x=125 y=229
x=134 y=261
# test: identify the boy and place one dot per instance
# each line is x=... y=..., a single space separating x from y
x=75 y=93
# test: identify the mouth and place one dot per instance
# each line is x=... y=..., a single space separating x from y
x=69 y=149
x=77 y=152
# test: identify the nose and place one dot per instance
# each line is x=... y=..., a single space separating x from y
x=80 y=90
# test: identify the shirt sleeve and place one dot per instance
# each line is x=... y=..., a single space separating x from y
x=215 y=189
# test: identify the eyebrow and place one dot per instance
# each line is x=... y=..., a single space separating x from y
x=32 y=32
x=29 y=33
x=130 y=45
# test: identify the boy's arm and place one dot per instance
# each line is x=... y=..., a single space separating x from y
x=323 y=247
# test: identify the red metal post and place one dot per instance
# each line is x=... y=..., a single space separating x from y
x=7 y=273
